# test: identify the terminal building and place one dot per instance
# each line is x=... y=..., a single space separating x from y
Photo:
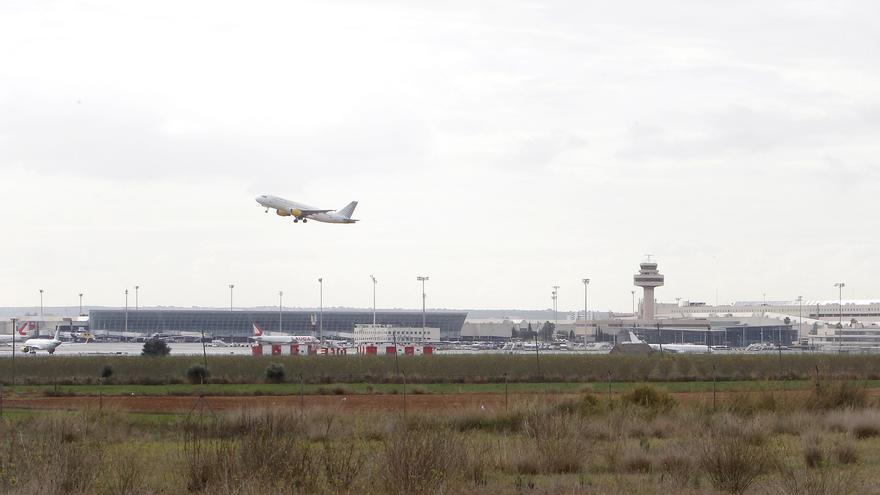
x=238 y=325
x=655 y=325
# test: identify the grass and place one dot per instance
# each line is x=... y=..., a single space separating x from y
x=463 y=369
x=243 y=389
x=643 y=443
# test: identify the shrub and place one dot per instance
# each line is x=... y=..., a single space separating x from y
x=649 y=397
x=106 y=371
x=422 y=461
x=839 y=395
x=814 y=455
x=196 y=373
x=155 y=348
x=558 y=440
x=275 y=373
x=845 y=453
x=730 y=460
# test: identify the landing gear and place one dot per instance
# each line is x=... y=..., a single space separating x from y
x=305 y=220
x=295 y=220
x=267 y=210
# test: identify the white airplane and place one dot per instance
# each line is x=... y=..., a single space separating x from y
x=48 y=345
x=299 y=211
x=261 y=338
x=22 y=335
x=673 y=348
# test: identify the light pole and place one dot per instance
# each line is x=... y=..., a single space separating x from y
x=136 y=303
x=126 y=310
x=14 y=331
x=633 y=294
x=280 y=309
x=555 y=314
x=800 y=300
x=80 y=304
x=321 y=309
x=423 y=280
x=40 y=325
x=231 y=286
x=840 y=286
x=586 y=283
x=374 y=299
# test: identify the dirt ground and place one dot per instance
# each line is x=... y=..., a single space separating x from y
x=343 y=403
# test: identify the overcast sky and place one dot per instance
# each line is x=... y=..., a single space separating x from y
x=500 y=148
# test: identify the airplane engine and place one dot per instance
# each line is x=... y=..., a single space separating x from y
x=297 y=213
x=282 y=213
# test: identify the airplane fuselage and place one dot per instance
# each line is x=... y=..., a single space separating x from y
x=34 y=345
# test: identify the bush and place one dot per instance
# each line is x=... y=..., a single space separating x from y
x=155 y=347
x=845 y=453
x=839 y=395
x=275 y=373
x=730 y=460
x=106 y=371
x=649 y=397
x=197 y=373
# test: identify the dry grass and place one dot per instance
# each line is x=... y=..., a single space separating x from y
x=584 y=446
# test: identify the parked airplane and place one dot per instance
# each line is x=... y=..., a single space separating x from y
x=259 y=337
x=299 y=211
x=22 y=334
x=673 y=348
x=48 y=345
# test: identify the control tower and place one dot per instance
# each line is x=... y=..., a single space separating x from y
x=648 y=278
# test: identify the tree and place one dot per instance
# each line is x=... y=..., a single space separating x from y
x=106 y=372
x=155 y=347
x=513 y=333
x=787 y=320
x=197 y=374
x=547 y=331
x=571 y=335
x=275 y=373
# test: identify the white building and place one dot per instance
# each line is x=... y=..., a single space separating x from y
x=364 y=334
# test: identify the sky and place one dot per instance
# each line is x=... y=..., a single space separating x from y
x=497 y=147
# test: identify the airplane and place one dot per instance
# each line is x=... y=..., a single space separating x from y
x=21 y=332
x=260 y=338
x=49 y=345
x=299 y=211
x=673 y=348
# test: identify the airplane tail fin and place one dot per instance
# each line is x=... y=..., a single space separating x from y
x=348 y=211
x=258 y=332
x=634 y=338
x=21 y=329
x=57 y=335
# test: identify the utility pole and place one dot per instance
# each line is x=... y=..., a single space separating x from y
x=374 y=299
x=231 y=286
x=136 y=302
x=80 y=304
x=40 y=325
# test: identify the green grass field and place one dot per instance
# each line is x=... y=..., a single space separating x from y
x=461 y=369
x=237 y=389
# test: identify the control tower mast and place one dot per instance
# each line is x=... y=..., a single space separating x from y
x=648 y=278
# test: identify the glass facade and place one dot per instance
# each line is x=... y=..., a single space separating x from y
x=238 y=324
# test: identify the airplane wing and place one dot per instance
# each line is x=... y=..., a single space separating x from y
x=300 y=213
